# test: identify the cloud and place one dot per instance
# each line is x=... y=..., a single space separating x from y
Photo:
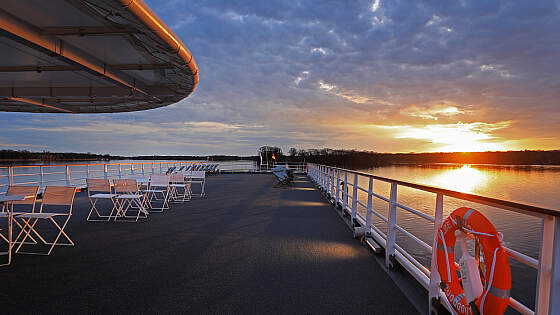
x=476 y=136
x=311 y=73
x=435 y=111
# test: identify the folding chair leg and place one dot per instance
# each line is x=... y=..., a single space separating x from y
x=100 y=216
x=55 y=242
x=9 y=241
x=29 y=230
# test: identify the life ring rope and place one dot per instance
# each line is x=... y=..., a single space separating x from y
x=489 y=283
x=446 y=256
x=469 y=230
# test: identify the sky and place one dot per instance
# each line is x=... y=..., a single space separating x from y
x=386 y=76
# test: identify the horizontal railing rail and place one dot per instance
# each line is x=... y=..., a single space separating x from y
x=343 y=193
x=76 y=174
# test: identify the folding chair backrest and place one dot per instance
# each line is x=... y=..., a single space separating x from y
x=160 y=180
x=60 y=196
x=125 y=186
x=177 y=178
x=24 y=191
x=98 y=185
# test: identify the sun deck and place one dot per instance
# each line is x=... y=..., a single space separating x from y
x=247 y=247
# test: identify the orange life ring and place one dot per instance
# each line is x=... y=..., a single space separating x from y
x=496 y=276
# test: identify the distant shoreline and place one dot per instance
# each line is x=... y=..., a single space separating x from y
x=341 y=158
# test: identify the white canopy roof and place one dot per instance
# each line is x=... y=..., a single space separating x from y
x=89 y=56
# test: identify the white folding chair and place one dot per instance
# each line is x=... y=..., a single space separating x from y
x=129 y=196
x=100 y=189
x=178 y=182
x=159 y=184
x=56 y=198
x=10 y=208
x=198 y=177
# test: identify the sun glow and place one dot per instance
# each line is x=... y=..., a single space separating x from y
x=464 y=179
x=458 y=137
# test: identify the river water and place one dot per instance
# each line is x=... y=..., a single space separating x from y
x=534 y=185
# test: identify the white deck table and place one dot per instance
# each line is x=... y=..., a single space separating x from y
x=4 y=200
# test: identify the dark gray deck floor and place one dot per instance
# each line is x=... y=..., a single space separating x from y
x=247 y=248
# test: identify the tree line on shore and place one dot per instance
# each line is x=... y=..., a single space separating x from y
x=24 y=155
x=364 y=159
x=341 y=158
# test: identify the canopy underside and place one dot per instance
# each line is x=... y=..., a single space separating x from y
x=89 y=56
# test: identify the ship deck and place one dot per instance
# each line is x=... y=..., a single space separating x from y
x=247 y=247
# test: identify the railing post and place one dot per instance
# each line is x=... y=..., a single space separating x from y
x=355 y=198
x=548 y=282
x=369 y=213
x=332 y=183
x=390 y=250
x=337 y=186
x=42 y=185
x=345 y=192
x=143 y=169
x=312 y=171
x=325 y=179
x=120 y=170
x=105 y=170
x=87 y=171
x=322 y=168
x=67 y=175
x=328 y=186
x=10 y=175
x=434 y=287
x=132 y=169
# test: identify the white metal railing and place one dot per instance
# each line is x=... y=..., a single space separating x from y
x=331 y=179
x=76 y=174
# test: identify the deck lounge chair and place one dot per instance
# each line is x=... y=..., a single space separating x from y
x=284 y=176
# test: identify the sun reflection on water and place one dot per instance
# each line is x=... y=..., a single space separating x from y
x=464 y=179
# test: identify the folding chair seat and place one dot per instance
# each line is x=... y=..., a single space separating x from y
x=159 y=184
x=100 y=189
x=129 y=199
x=180 y=188
x=59 y=201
